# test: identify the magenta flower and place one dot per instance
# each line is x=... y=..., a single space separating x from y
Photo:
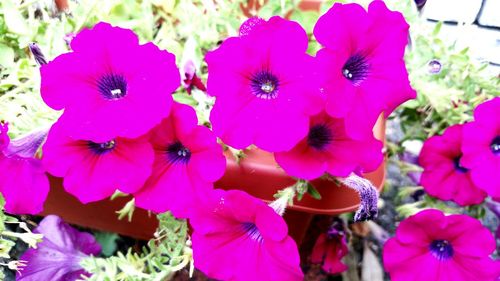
x=93 y=171
x=328 y=148
x=190 y=79
x=238 y=237
x=361 y=65
x=188 y=160
x=117 y=87
x=330 y=248
x=434 y=247
x=263 y=84
x=481 y=147
x=444 y=177
x=23 y=182
x=58 y=256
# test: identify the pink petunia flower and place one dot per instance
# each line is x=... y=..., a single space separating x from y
x=434 y=247
x=330 y=248
x=444 y=177
x=58 y=256
x=361 y=65
x=93 y=171
x=238 y=237
x=110 y=86
x=481 y=147
x=23 y=182
x=328 y=148
x=188 y=160
x=264 y=86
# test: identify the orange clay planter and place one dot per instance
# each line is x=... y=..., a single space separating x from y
x=258 y=174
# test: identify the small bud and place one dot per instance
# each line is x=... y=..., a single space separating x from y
x=434 y=66
x=37 y=54
x=420 y=4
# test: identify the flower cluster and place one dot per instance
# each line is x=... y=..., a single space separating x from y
x=278 y=106
x=463 y=163
x=121 y=130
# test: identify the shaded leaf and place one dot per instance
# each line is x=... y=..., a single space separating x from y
x=6 y=56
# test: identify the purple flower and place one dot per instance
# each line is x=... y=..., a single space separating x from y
x=110 y=86
x=328 y=148
x=93 y=171
x=238 y=237
x=264 y=86
x=330 y=248
x=22 y=173
x=361 y=65
x=444 y=177
x=481 y=147
x=434 y=247
x=187 y=161
x=58 y=256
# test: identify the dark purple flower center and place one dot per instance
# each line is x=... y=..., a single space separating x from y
x=101 y=148
x=112 y=86
x=178 y=153
x=495 y=145
x=458 y=167
x=441 y=249
x=264 y=85
x=252 y=231
x=356 y=68
x=319 y=136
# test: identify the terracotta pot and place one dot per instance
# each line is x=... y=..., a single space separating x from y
x=257 y=174
x=62 y=5
x=251 y=7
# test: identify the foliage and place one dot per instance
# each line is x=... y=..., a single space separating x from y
x=8 y=240
x=167 y=253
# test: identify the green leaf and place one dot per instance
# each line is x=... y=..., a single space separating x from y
x=306 y=18
x=437 y=28
x=107 y=240
x=14 y=19
x=185 y=99
x=6 y=56
x=311 y=190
